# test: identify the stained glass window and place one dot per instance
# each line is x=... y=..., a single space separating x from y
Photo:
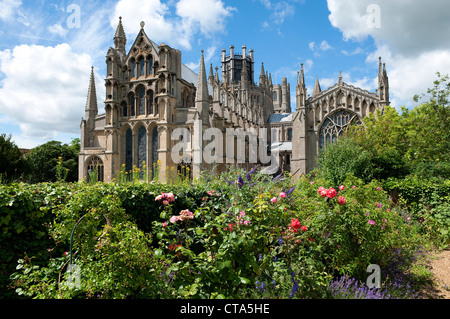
x=129 y=150
x=150 y=65
x=141 y=100
x=155 y=146
x=142 y=149
x=142 y=67
x=335 y=125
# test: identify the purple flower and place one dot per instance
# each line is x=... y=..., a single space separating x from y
x=371 y=222
x=240 y=181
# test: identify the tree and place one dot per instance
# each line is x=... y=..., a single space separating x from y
x=342 y=158
x=11 y=162
x=43 y=161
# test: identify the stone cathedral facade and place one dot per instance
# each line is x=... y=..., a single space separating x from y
x=150 y=93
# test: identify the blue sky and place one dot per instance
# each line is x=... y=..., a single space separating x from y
x=47 y=48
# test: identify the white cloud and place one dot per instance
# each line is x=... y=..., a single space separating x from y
x=44 y=89
x=190 y=17
x=317 y=48
x=8 y=8
x=279 y=10
x=57 y=29
x=208 y=15
x=324 y=46
x=409 y=36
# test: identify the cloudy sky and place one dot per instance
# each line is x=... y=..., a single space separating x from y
x=47 y=48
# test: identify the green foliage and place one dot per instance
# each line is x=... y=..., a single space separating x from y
x=11 y=162
x=428 y=202
x=53 y=161
x=238 y=235
x=346 y=157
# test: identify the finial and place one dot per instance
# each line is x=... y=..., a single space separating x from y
x=142 y=24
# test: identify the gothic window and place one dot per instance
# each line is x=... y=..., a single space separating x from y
x=155 y=146
x=95 y=169
x=124 y=109
x=141 y=67
x=289 y=135
x=133 y=68
x=142 y=149
x=335 y=125
x=150 y=65
x=131 y=100
x=150 y=101
x=274 y=96
x=128 y=150
x=141 y=100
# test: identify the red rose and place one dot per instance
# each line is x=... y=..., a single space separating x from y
x=331 y=193
x=341 y=200
x=322 y=191
x=295 y=224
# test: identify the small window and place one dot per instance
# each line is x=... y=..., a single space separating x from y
x=150 y=65
x=142 y=67
x=289 y=135
x=133 y=68
x=132 y=105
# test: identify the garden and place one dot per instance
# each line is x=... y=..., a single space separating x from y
x=358 y=227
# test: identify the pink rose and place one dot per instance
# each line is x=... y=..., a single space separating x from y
x=164 y=224
x=274 y=200
x=165 y=202
x=283 y=195
x=341 y=200
x=342 y=187
x=174 y=219
x=246 y=223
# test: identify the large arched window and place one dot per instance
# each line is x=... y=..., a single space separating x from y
x=335 y=125
x=95 y=170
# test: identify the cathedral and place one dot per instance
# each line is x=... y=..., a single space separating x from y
x=150 y=93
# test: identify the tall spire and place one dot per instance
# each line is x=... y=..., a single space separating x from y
x=317 y=88
x=211 y=75
x=120 y=40
x=262 y=76
x=202 y=84
x=91 y=102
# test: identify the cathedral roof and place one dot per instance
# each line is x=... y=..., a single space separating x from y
x=191 y=77
x=280 y=118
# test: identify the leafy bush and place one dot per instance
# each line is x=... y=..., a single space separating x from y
x=238 y=235
x=342 y=158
